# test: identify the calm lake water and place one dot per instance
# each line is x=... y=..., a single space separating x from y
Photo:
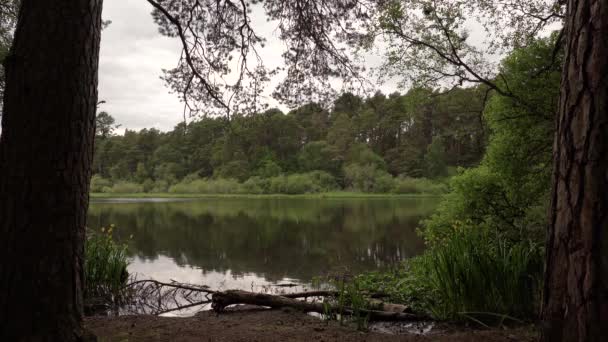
x=250 y=242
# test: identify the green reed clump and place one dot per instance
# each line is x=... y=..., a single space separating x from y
x=479 y=276
x=105 y=266
x=470 y=275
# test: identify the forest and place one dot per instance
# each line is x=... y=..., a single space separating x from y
x=397 y=143
x=499 y=125
x=488 y=155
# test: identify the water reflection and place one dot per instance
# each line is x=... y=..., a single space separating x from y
x=243 y=240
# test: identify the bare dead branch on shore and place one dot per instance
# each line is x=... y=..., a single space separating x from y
x=155 y=297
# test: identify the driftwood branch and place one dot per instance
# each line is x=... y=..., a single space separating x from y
x=223 y=299
x=155 y=297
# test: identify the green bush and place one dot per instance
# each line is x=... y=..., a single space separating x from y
x=269 y=169
x=256 y=185
x=98 y=183
x=302 y=183
x=207 y=186
x=148 y=185
x=365 y=177
x=122 y=187
x=160 y=186
x=408 y=185
x=105 y=266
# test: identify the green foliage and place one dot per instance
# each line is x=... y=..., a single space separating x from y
x=207 y=186
x=269 y=169
x=509 y=190
x=122 y=187
x=236 y=169
x=475 y=275
x=399 y=285
x=393 y=133
x=408 y=185
x=105 y=266
x=366 y=171
x=472 y=275
x=318 y=155
x=312 y=182
x=483 y=261
x=435 y=159
x=367 y=178
x=100 y=184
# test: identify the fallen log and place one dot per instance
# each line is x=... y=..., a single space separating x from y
x=220 y=300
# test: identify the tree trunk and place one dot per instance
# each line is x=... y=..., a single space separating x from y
x=46 y=151
x=575 y=300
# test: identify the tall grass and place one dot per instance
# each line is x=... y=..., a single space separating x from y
x=105 y=266
x=474 y=276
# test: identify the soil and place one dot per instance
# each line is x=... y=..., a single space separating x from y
x=277 y=325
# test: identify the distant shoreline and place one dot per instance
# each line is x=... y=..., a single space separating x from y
x=330 y=195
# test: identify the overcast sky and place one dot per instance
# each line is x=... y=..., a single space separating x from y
x=133 y=54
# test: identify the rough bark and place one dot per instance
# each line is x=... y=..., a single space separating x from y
x=46 y=150
x=575 y=299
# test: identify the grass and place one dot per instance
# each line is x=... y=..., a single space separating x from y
x=470 y=276
x=105 y=266
x=336 y=194
x=481 y=279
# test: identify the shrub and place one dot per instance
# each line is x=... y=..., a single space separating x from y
x=105 y=266
x=269 y=169
x=383 y=183
x=148 y=185
x=302 y=183
x=324 y=180
x=256 y=185
x=207 y=186
x=122 y=187
x=408 y=185
x=98 y=183
x=236 y=169
x=363 y=177
x=160 y=186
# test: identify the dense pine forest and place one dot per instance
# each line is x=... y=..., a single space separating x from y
x=377 y=144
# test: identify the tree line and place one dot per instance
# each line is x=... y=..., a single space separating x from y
x=360 y=144
x=46 y=146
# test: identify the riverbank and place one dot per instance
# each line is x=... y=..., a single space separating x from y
x=273 y=325
x=329 y=195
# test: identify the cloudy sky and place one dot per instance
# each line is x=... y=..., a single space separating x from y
x=133 y=54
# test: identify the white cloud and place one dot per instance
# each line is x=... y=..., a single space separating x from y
x=132 y=56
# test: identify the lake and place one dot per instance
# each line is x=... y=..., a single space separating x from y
x=246 y=243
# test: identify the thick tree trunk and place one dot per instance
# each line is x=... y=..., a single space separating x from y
x=46 y=151
x=575 y=302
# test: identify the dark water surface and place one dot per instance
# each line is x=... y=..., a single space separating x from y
x=249 y=242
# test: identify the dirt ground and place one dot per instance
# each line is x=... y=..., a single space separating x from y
x=273 y=325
